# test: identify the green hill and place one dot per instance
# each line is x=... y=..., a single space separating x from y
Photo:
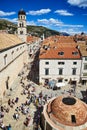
x=7 y=25
x=34 y=30
x=39 y=30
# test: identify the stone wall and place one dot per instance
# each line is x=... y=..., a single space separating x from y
x=10 y=72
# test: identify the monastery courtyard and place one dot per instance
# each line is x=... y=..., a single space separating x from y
x=17 y=91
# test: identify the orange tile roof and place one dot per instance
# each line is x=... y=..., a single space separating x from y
x=58 y=44
x=53 y=53
x=59 y=39
x=31 y=39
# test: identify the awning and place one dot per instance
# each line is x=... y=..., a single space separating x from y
x=74 y=79
x=83 y=78
x=60 y=84
x=46 y=78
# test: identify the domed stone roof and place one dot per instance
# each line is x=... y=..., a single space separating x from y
x=21 y=12
x=67 y=110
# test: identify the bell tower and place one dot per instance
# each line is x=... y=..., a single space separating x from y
x=22 y=31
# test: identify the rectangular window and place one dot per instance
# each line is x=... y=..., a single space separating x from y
x=84 y=74
x=85 y=66
x=74 y=71
x=74 y=63
x=60 y=71
x=86 y=58
x=21 y=32
x=47 y=63
x=47 y=71
x=61 y=63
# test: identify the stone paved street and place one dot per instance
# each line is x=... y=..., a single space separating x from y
x=16 y=92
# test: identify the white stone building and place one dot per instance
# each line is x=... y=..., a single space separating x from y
x=61 y=63
x=83 y=51
x=13 y=55
x=84 y=70
x=33 y=44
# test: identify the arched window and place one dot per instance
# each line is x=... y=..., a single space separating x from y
x=17 y=49
x=5 y=59
x=12 y=53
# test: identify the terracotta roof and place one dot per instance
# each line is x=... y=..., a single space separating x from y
x=62 y=108
x=60 y=53
x=54 y=45
x=59 y=39
x=8 y=40
x=31 y=39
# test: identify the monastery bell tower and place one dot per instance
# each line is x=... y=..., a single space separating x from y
x=22 y=31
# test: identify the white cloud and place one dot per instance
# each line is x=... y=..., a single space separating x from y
x=31 y=23
x=14 y=20
x=39 y=12
x=64 y=13
x=73 y=26
x=50 y=21
x=2 y=13
x=60 y=26
x=56 y=22
x=79 y=3
x=71 y=31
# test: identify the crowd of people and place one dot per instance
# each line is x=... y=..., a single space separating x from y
x=38 y=100
x=29 y=91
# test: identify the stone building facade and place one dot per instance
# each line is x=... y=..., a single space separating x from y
x=59 y=63
x=13 y=55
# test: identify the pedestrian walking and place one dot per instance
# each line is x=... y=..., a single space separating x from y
x=9 y=127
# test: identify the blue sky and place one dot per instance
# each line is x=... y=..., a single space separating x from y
x=62 y=15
